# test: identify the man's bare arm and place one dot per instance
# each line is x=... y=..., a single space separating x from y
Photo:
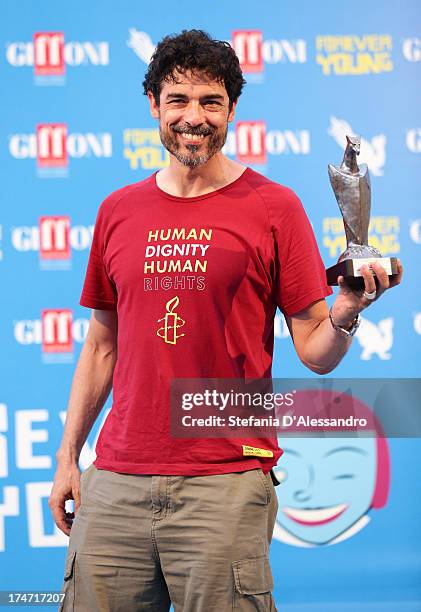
x=91 y=386
x=318 y=345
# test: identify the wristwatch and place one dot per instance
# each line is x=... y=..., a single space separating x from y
x=347 y=333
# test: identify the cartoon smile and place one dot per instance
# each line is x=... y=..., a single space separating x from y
x=315 y=516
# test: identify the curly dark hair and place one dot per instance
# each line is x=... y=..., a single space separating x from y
x=196 y=51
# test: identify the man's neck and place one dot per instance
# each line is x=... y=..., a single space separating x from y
x=183 y=181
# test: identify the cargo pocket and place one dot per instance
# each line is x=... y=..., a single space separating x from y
x=253 y=585
x=68 y=589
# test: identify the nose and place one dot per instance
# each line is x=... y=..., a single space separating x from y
x=193 y=114
x=305 y=494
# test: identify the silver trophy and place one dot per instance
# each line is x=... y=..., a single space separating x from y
x=351 y=185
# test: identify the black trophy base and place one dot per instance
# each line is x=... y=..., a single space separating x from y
x=349 y=269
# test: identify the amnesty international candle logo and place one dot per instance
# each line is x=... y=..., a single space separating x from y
x=172 y=321
x=176 y=258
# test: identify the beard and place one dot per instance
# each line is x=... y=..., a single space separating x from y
x=214 y=141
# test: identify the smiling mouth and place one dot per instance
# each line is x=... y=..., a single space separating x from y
x=315 y=516
x=192 y=138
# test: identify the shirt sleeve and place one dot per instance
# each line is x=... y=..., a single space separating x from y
x=98 y=289
x=299 y=272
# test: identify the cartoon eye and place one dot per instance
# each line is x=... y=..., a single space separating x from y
x=281 y=474
x=343 y=476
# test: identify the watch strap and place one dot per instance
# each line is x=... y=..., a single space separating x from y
x=346 y=333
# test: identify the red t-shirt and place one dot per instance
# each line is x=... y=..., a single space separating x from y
x=216 y=265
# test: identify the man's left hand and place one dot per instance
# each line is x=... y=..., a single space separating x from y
x=349 y=302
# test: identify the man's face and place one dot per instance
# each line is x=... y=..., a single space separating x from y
x=193 y=117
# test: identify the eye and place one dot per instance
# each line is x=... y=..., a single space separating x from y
x=344 y=476
x=212 y=103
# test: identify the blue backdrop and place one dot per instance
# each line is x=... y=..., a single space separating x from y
x=75 y=126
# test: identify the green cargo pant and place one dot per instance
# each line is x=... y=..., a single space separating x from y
x=140 y=543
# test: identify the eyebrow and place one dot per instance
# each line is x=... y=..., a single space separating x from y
x=214 y=96
x=339 y=449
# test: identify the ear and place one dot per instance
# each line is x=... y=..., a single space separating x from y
x=232 y=112
x=154 y=108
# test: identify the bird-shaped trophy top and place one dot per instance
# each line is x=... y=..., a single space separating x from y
x=349 y=163
x=351 y=185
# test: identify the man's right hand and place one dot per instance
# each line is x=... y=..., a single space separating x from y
x=66 y=486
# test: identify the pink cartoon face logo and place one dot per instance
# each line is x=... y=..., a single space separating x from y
x=329 y=485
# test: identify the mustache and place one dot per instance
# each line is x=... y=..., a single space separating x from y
x=187 y=129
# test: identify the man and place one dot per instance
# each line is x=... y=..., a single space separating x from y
x=185 y=274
